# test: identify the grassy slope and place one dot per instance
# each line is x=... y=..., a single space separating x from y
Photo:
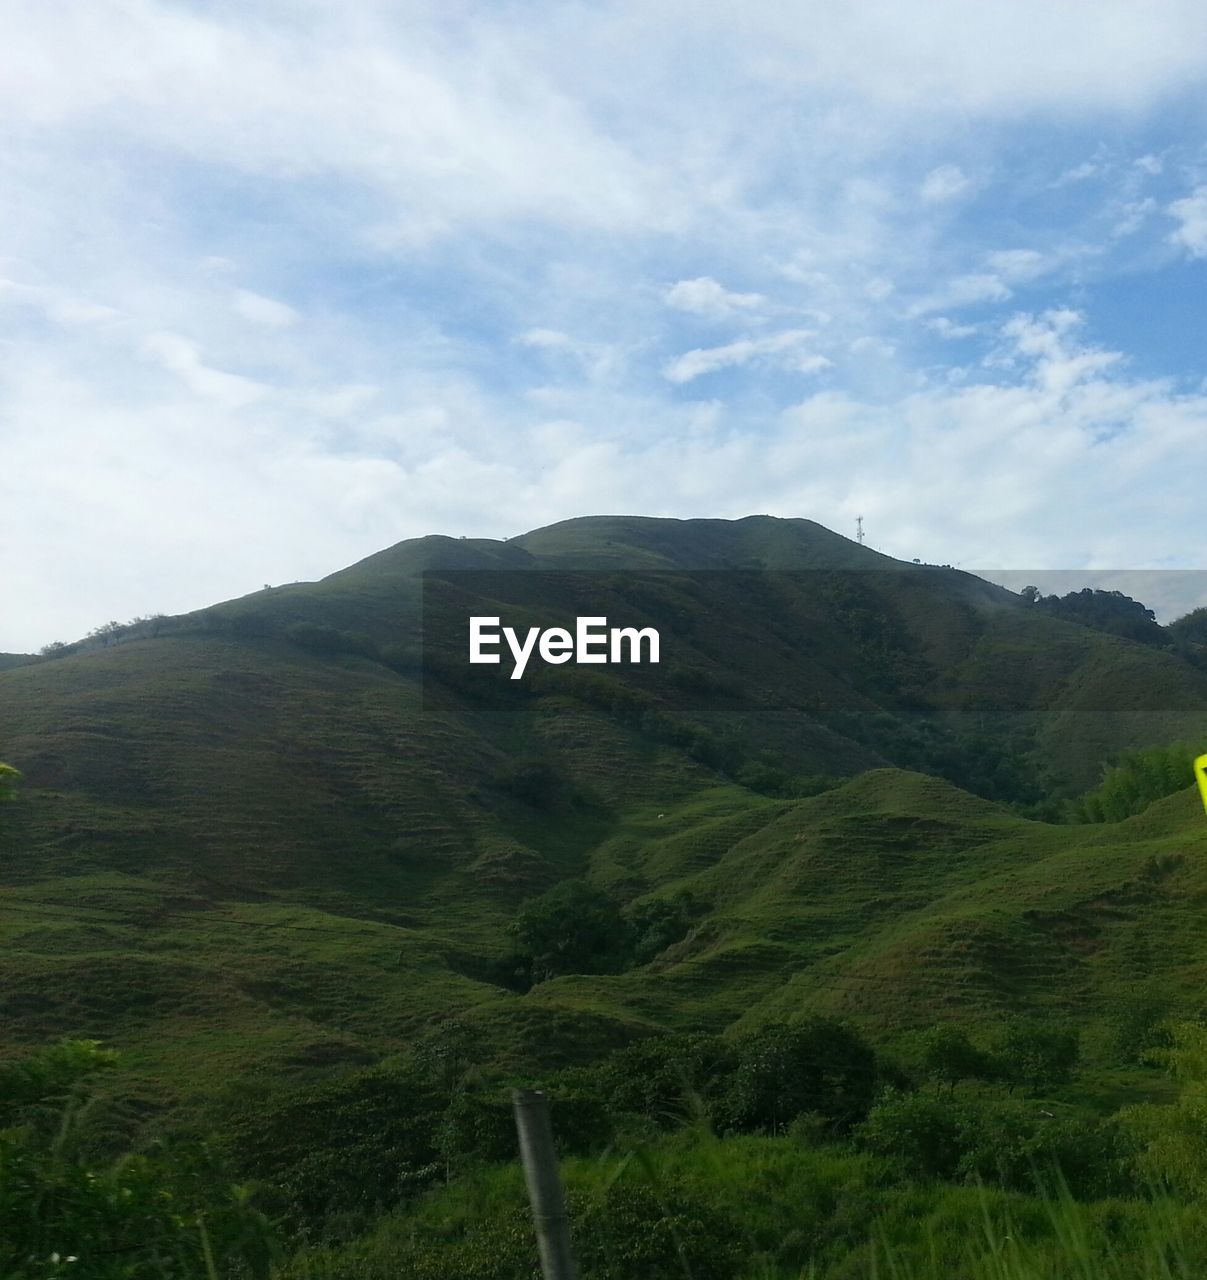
x=899 y=900
x=233 y=854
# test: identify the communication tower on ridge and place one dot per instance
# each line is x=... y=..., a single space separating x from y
x=859 y=530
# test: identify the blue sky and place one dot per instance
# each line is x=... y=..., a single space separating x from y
x=282 y=284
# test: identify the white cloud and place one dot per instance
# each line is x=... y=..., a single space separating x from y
x=338 y=402
x=549 y=339
x=977 y=287
x=944 y=183
x=1078 y=173
x=947 y=328
x=214 y=264
x=869 y=345
x=1045 y=335
x=261 y=310
x=787 y=350
x=1132 y=215
x=75 y=311
x=599 y=361
x=703 y=296
x=59 y=306
x=1059 y=362
x=1017 y=264
x=963 y=291
x=444 y=130
x=183 y=358
x=997 y=57
x=1191 y=213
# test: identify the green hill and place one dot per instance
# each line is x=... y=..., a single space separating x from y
x=290 y=831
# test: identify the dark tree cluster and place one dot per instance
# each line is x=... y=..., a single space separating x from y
x=1109 y=611
x=576 y=928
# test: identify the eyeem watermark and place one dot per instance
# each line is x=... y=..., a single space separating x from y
x=592 y=640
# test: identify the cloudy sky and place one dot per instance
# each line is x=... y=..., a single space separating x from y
x=282 y=283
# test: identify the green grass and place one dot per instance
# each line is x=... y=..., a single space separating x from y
x=788 y=1211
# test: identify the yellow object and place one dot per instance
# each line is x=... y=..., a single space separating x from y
x=1200 y=775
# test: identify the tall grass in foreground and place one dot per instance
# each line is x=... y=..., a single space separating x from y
x=941 y=1232
x=1077 y=1247
x=691 y=1206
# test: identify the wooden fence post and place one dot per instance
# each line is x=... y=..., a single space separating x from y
x=544 y=1184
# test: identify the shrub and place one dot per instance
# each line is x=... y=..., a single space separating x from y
x=43 y=1083
x=479 y=1124
x=816 y=1065
x=659 y=1233
x=336 y=1152
x=947 y=1055
x=572 y=928
x=1010 y=1144
x=627 y=1230
x=659 y=923
x=1021 y=1149
x=1172 y=1139
x=927 y=1134
x=1037 y=1055
x=533 y=782
x=766 y=779
x=1137 y=780
x=663 y=1077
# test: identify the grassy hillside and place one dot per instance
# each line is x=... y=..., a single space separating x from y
x=309 y=856
x=286 y=838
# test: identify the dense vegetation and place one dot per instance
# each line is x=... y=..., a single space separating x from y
x=797 y=1147
x=863 y=938
x=1135 y=781
x=1108 y=611
x=75 y=1203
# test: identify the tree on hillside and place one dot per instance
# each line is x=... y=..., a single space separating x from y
x=1109 y=611
x=818 y=1065
x=928 y=1134
x=949 y=1056
x=992 y=1140
x=666 y=1077
x=1189 y=636
x=572 y=928
x=657 y=924
x=107 y=632
x=1037 y=1055
x=1191 y=627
